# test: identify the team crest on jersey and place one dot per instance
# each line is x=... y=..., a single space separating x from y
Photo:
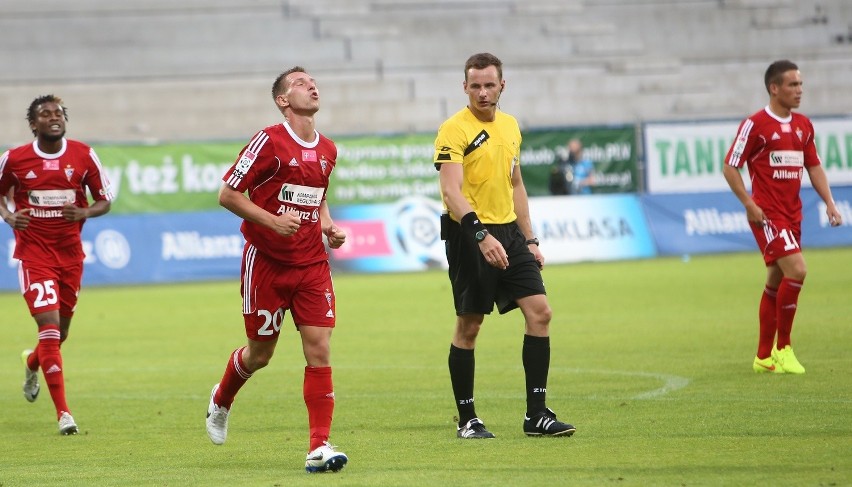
x=309 y=155
x=69 y=171
x=50 y=165
x=799 y=133
x=323 y=164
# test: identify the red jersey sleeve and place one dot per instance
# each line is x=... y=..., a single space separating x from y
x=6 y=178
x=745 y=143
x=810 y=152
x=248 y=166
x=96 y=179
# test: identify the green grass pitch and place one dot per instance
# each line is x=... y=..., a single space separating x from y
x=651 y=361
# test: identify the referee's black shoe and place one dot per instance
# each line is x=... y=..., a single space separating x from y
x=474 y=429
x=546 y=424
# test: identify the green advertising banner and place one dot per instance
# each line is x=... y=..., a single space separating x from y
x=166 y=177
x=612 y=151
x=687 y=157
x=382 y=169
x=182 y=177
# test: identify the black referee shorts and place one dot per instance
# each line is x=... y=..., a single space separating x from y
x=478 y=286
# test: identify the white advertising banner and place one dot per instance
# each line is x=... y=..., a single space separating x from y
x=591 y=228
x=688 y=157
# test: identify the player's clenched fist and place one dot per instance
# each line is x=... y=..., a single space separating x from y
x=19 y=220
x=287 y=223
x=336 y=236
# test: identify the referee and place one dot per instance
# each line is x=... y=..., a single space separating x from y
x=492 y=253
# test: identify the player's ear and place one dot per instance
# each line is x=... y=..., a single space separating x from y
x=281 y=101
x=773 y=88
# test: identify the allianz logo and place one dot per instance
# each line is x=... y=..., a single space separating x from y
x=194 y=246
x=711 y=221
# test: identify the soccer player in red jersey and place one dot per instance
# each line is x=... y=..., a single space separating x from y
x=285 y=169
x=48 y=180
x=777 y=145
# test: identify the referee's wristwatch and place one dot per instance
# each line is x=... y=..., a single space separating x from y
x=532 y=241
x=480 y=235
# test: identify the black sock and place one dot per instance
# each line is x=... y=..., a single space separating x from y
x=535 y=356
x=462 y=365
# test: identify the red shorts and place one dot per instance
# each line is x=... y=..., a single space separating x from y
x=50 y=288
x=270 y=288
x=776 y=239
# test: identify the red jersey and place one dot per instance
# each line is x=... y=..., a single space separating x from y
x=280 y=171
x=45 y=183
x=777 y=151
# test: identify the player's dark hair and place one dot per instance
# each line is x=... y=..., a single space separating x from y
x=775 y=72
x=31 y=111
x=481 y=61
x=280 y=84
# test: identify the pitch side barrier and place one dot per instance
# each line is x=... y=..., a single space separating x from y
x=701 y=223
x=149 y=248
x=402 y=236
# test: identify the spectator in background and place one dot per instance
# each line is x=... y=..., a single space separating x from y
x=583 y=169
x=572 y=173
x=48 y=180
x=562 y=173
x=777 y=144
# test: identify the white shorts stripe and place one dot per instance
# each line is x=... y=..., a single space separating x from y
x=251 y=253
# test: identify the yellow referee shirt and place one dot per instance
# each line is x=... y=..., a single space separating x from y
x=489 y=152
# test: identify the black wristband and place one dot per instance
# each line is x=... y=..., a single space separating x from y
x=532 y=241
x=470 y=223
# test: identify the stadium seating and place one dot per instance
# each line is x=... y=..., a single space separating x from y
x=165 y=70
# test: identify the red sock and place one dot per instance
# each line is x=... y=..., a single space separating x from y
x=32 y=360
x=319 y=398
x=51 y=363
x=767 y=315
x=236 y=374
x=788 y=300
